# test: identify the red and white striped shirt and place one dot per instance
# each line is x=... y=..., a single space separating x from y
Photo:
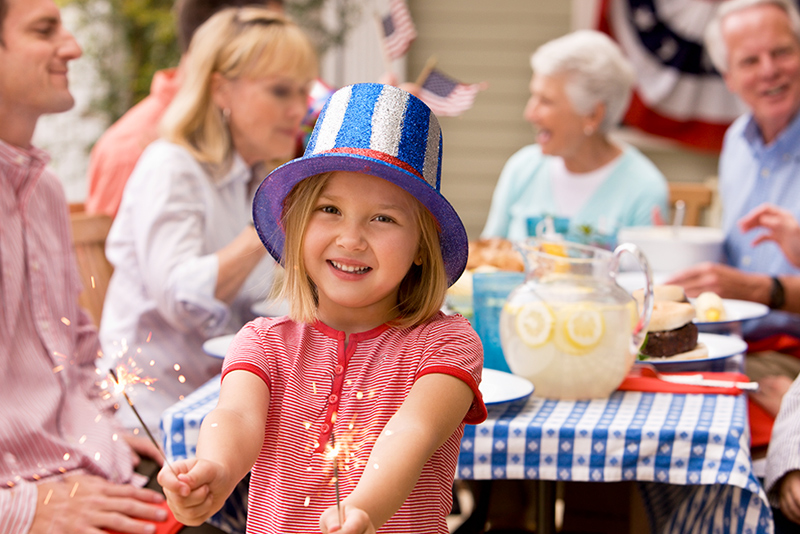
x=311 y=375
x=51 y=421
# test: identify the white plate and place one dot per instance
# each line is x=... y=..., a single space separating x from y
x=738 y=311
x=498 y=386
x=719 y=347
x=218 y=346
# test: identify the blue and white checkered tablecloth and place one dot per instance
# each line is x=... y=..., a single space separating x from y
x=689 y=453
x=180 y=428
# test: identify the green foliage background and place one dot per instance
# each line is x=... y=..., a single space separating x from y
x=143 y=40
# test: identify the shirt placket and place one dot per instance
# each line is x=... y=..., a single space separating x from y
x=334 y=397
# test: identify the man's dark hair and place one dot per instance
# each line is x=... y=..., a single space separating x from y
x=191 y=14
x=3 y=13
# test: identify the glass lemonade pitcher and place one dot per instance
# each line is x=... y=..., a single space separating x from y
x=569 y=328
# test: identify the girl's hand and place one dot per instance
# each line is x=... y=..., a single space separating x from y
x=197 y=492
x=356 y=521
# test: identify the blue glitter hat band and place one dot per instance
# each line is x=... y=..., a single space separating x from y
x=378 y=130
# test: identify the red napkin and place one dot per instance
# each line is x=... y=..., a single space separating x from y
x=783 y=343
x=635 y=382
x=169 y=526
x=760 y=424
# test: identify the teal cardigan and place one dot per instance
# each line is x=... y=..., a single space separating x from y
x=626 y=198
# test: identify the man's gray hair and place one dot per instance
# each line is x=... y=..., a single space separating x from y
x=715 y=42
x=595 y=70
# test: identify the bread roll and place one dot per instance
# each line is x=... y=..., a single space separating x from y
x=668 y=315
x=710 y=307
x=495 y=252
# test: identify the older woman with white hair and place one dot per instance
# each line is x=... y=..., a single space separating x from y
x=580 y=90
x=188 y=263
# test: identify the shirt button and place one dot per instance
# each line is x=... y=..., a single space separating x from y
x=339 y=369
x=44 y=325
x=19 y=159
x=333 y=399
x=35 y=265
x=746 y=260
x=326 y=428
x=765 y=173
x=787 y=157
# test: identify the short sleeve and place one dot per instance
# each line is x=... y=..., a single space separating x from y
x=454 y=348
x=253 y=349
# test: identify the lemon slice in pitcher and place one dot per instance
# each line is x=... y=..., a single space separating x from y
x=582 y=328
x=534 y=323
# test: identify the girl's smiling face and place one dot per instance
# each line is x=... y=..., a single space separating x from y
x=360 y=242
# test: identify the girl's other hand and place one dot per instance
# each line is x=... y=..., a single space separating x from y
x=356 y=521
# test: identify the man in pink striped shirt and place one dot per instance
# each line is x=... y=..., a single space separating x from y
x=63 y=466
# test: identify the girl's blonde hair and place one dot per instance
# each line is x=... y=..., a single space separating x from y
x=250 y=42
x=421 y=292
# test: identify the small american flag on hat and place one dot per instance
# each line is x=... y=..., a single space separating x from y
x=398 y=29
x=448 y=97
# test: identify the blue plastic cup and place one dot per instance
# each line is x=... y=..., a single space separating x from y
x=560 y=224
x=489 y=294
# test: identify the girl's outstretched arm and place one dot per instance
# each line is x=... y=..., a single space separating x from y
x=230 y=439
x=430 y=414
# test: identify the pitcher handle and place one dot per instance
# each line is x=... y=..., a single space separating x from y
x=640 y=330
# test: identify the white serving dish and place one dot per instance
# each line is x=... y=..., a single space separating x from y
x=670 y=249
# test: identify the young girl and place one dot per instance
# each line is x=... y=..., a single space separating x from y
x=365 y=373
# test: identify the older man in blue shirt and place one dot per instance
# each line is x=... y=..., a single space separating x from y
x=756 y=46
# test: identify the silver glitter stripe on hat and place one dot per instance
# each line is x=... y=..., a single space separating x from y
x=387 y=121
x=430 y=168
x=332 y=122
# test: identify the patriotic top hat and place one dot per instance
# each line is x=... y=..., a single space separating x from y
x=371 y=129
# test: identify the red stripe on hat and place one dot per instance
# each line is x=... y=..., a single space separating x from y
x=375 y=154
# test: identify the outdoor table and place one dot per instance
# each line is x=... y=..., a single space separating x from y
x=689 y=453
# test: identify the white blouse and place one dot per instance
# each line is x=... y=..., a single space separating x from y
x=160 y=305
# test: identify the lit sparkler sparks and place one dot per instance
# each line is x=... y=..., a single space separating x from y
x=120 y=386
x=129 y=375
x=333 y=454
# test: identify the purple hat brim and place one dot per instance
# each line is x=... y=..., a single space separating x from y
x=268 y=203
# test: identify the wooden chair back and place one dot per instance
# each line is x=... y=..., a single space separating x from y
x=698 y=197
x=89 y=238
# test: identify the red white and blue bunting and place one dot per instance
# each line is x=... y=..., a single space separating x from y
x=679 y=94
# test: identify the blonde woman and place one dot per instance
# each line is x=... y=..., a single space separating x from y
x=188 y=264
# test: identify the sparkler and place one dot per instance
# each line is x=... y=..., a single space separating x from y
x=335 y=455
x=141 y=421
